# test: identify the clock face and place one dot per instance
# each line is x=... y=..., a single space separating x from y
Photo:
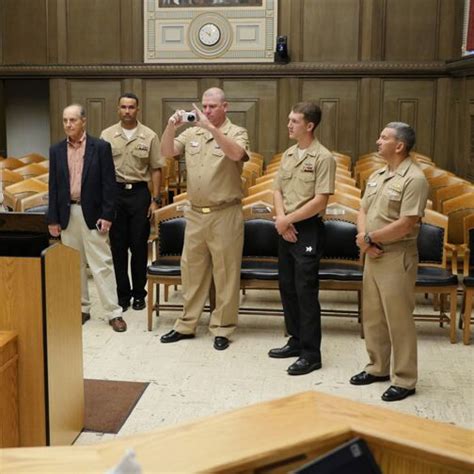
x=209 y=34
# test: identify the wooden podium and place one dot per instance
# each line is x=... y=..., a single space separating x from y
x=41 y=302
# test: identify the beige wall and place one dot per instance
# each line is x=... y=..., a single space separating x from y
x=366 y=61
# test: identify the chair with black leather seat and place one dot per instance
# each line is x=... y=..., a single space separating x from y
x=341 y=266
x=433 y=275
x=468 y=281
x=165 y=269
x=259 y=269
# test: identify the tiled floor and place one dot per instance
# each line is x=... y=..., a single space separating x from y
x=190 y=379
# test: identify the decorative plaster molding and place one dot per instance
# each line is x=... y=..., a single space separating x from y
x=362 y=68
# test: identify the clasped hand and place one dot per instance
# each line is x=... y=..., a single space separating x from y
x=285 y=228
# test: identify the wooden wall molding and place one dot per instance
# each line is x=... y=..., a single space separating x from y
x=362 y=68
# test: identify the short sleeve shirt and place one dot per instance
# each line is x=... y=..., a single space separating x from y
x=212 y=178
x=299 y=179
x=389 y=196
x=134 y=158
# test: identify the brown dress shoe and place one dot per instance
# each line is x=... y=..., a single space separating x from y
x=118 y=324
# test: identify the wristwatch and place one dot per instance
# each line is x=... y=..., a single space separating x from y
x=156 y=199
x=367 y=239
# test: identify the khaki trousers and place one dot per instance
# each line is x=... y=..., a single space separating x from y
x=212 y=250
x=388 y=304
x=95 y=251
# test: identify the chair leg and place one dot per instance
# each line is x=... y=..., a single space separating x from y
x=166 y=292
x=452 y=317
x=466 y=334
x=150 y=304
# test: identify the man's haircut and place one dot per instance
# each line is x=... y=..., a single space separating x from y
x=403 y=133
x=82 y=110
x=310 y=110
x=128 y=95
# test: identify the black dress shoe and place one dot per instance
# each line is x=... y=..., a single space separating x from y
x=303 y=366
x=125 y=305
x=365 y=378
x=221 y=343
x=85 y=317
x=283 y=352
x=394 y=393
x=175 y=336
x=138 y=304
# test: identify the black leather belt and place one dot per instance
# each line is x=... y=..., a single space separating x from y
x=75 y=201
x=139 y=184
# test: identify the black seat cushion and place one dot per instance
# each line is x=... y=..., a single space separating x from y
x=430 y=243
x=340 y=240
x=469 y=280
x=260 y=238
x=259 y=270
x=432 y=276
x=172 y=236
x=340 y=271
x=164 y=267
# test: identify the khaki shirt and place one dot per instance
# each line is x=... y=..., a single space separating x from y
x=300 y=179
x=134 y=158
x=212 y=178
x=389 y=196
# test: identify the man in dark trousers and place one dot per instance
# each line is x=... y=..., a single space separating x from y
x=136 y=154
x=301 y=190
x=82 y=195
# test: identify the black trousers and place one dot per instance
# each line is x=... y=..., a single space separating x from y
x=298 y=266
x=130 y=231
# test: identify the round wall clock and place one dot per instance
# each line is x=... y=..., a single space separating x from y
x=209 y=34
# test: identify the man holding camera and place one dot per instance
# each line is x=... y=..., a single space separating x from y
x=214 y=149
x=81 y=208
x=136 y=153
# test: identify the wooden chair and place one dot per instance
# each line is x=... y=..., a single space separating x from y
x=344 y=160
x=361 y=173
x=256 y=188
x=450 y=192
x=440 y=182
x=44 y=164
x=433 y=275
x=347 y=200
x=250 y=177
x=347 y=189
x=254 y=167
x=8 y=177
x=30 y=171
x=32 y=158
x=272 y=168
x=170 y=224
x=262 y=196
x=257 y=158
x=456 y=209
x=468 y=280
x=345 y=180
x=341 y=266
x=13 y=194
x=11 y=164
x=266 y=177
x=42 y=177
x=35 y=203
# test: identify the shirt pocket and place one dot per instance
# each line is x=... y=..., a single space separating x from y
x=140 y=154
x=192 y=156
x=370 y=193
x=393 y=200
x=306 y=184
x=116 y=152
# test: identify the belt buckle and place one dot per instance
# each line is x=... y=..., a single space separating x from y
x=206 y=210
x=128 y=186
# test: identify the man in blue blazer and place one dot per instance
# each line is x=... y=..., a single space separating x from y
x=82 y=195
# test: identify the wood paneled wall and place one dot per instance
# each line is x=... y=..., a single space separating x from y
x=335 y=42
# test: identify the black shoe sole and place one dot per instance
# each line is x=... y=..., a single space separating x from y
x=378 y=379
x=284 y=356
x=139 y=308
x=310 y=369
x=397 y=399
x=169 y=341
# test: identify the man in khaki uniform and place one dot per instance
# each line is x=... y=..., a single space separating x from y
x=388 y=225
x=136 y=153
x=301 y=190
x=215 y=149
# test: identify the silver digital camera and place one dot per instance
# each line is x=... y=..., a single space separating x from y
x=189 y=117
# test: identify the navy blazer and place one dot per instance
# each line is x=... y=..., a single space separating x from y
x=98 y=188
